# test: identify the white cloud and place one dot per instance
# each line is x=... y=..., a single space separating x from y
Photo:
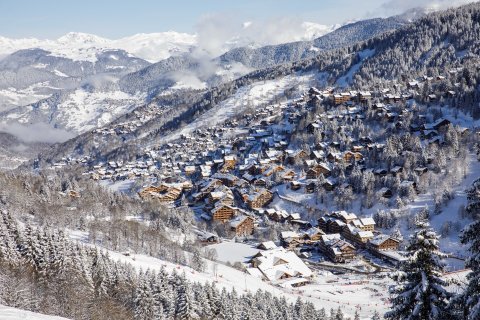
x=220 y=32
x=38 y=132
x=392 y=7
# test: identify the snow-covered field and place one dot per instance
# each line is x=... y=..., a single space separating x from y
x=233 y=252
x=9 y=313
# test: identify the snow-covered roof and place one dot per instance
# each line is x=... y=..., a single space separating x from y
x=289 y=234
x=367 y=221
x=238 y=221
x=268 y=245
x=276 y=263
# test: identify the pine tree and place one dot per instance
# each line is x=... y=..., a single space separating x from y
x=469 y=300
x=376 y=315
x=420 y=292
x=145 y=307
x=184 y=308
x=356 y=316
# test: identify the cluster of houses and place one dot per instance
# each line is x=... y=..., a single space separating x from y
x=338 y=235
x=229 y=173
x=147 y=113
x=345 y=232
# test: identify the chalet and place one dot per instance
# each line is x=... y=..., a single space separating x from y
x=206 y=237
x=258 y=199
x=312 y=174
x=367 y=224
x=277 y=265
x=317 y=170
x=383 y=242
x=163 y=193
x=335 y=248
x=313 y=234
x=385 y=193
x=221 y=195
x=329 y=184
x=260 y=182
x=334 y=156
x=295 y=185
x=310 y=186
x=356 y=235
x=288 y=175
x=267 y=245
x=226 y=178
x=242 y=226
x=296 y=156
x=349 y=156
x=344 y=216
x=294 y=216
x=290 y=239
x=364 y=96
x=229 y=163
x=313 y=127
x=331 y=225
x=277 y=215
x=223 y=212
x=441 y=124
x=341 y=98
x=317 y=155
x=302 y=224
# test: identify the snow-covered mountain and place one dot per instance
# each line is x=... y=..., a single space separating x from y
x=63 y=92
x=84 y=47
x=152 y=47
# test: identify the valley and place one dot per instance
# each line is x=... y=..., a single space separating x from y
x=334 y=177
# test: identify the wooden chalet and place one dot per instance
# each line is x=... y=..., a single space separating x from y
x=162 y=193
x=242 y=225
x=383 y=242
x=258 y=199
x=335 y=248
x=223 y=212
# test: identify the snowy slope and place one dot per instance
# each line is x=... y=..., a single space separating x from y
x=9 y=313
x=255 y=95
x=76 y=111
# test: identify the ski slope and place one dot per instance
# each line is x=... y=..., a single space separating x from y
x=9 y=313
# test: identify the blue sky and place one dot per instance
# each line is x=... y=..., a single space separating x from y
x=117 y=18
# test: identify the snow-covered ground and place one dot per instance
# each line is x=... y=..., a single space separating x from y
x=233 y=252
x=11 y=97
x=9 y=313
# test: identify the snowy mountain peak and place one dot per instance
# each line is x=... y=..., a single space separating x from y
x=81 y=38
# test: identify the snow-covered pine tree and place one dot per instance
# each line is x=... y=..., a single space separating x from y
x=467 y=303
x=185 y=306
x=376 y=315
x=145 y=306
x=420 y=292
